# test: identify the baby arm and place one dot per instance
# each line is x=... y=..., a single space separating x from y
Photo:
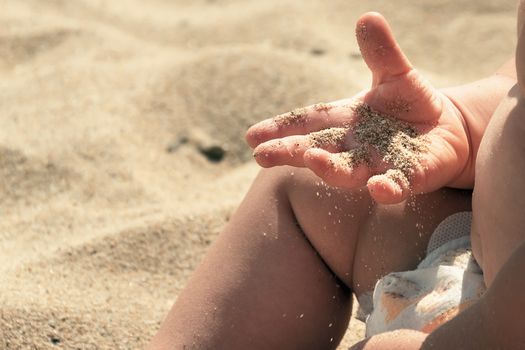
x=451 y=121
x=476 y=103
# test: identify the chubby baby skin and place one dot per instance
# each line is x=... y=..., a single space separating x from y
x=469 y=143
x=498 y=200
x=281 y=273
x=496 y=321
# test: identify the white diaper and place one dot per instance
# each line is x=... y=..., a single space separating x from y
x=446 y=282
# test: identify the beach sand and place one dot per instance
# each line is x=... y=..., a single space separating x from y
x=121 y=138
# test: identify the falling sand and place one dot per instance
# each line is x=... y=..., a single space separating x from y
x=396 y=142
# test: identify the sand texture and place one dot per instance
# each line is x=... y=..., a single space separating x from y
x=121 y=137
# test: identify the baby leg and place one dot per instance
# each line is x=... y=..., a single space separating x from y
x=280 y=275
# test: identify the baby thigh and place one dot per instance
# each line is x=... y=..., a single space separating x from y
x=359 y=240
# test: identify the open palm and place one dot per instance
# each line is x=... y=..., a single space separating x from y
x=398 y=90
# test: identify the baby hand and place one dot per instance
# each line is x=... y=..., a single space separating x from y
x=400 y=136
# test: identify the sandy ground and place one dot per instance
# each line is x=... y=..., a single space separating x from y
x=106 y=200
